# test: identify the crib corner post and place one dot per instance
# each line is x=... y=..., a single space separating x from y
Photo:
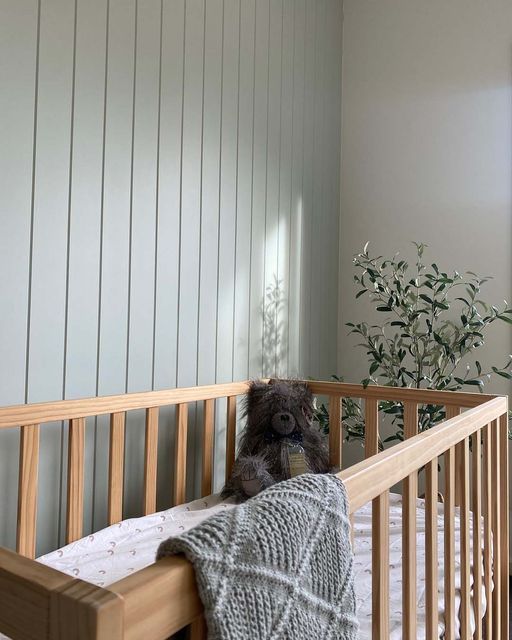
x=80 y=609
x=504 y=522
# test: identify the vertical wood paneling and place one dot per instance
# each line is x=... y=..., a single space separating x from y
x=18 y=41
x=317 y=246
x=244 y=189
x=85 y=216
x=285 y=178
x=307 y=189
x=259 y=187
x=271 y=333
x=190 y=191
x=179 y=158
x=296 y=199
x=46 y=337
x=228 y=189
x=113 y=325
x=167 y=240
x=211 y=155
x=139 y=373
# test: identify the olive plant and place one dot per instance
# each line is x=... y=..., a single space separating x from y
x=433 y=324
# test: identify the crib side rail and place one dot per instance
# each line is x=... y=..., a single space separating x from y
x=31 y=419
x=165 y=595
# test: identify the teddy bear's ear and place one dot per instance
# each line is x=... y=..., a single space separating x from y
x=257 y=389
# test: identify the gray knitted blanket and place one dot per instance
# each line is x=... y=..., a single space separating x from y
x=277 y=567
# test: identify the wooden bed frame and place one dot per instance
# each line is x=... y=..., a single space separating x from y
x=40 y=603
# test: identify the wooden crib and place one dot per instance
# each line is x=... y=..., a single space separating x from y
x=39 y=603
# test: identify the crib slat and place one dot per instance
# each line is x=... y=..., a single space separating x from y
x=76 y=450
x=449 y=544
x=463 y=472
x=180 y=454
x=371 y=427
x=116 y=467
x=335 y=432
x=230 y=435
x=476 y=456
x=208 y=443
x=380 y=531
x=496 y=528
x=410 y=492
x=150 y=460
x=380 y=566
x=27 y=491
x=451 y=412
x=487 y=509
x=504 y=523
x=431 y=552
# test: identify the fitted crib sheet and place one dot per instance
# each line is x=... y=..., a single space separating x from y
x=121 y=549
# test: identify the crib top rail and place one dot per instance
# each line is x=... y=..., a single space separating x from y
x=44 y=412
x=371 y=477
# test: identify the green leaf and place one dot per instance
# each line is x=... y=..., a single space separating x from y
x=373 y=368
x=360 y=293
x=503 y=374
x=425 y=298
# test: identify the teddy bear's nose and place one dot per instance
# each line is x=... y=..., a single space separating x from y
x=285 y=417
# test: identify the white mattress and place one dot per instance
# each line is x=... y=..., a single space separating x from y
x=117 y=551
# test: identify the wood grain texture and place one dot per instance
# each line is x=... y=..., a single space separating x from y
x=369 y=478
x=504 y=522
x=27 y=491
x=167 y=594
x=451 y=412
x=400 y=394
x=68 y=409
x=198 y=629
x=75 y=494
x=116 y=467
x=208 y=447
x=150 y=460
x=462 y=472
x=371 y=432
x=449 y=543
x=431 y=550
x=335 y=432
x=487 y=513
x=25 y=591
x=230 y=435
x=409 y=539
x=496 y=531
x=180 y=454
x=476 y=501
x=80 y=610
x=380 y=566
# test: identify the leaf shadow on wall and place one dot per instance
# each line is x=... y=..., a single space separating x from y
x=275 y=330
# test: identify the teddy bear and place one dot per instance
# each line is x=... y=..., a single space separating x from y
x=279 y=440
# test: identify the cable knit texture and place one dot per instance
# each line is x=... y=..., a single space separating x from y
x=278 y=566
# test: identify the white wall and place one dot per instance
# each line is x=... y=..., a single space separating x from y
x=427 y=149
x=161 y=163
x=427 y=145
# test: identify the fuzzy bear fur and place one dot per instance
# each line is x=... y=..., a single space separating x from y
x=275 y=412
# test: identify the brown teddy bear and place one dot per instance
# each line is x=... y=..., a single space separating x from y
x=279 y=440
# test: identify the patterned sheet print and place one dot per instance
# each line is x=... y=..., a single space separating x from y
x=121 y=549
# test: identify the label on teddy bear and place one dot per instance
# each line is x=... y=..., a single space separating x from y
x=295 y=459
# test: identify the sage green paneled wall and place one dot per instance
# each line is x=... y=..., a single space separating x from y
x=163 y=164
